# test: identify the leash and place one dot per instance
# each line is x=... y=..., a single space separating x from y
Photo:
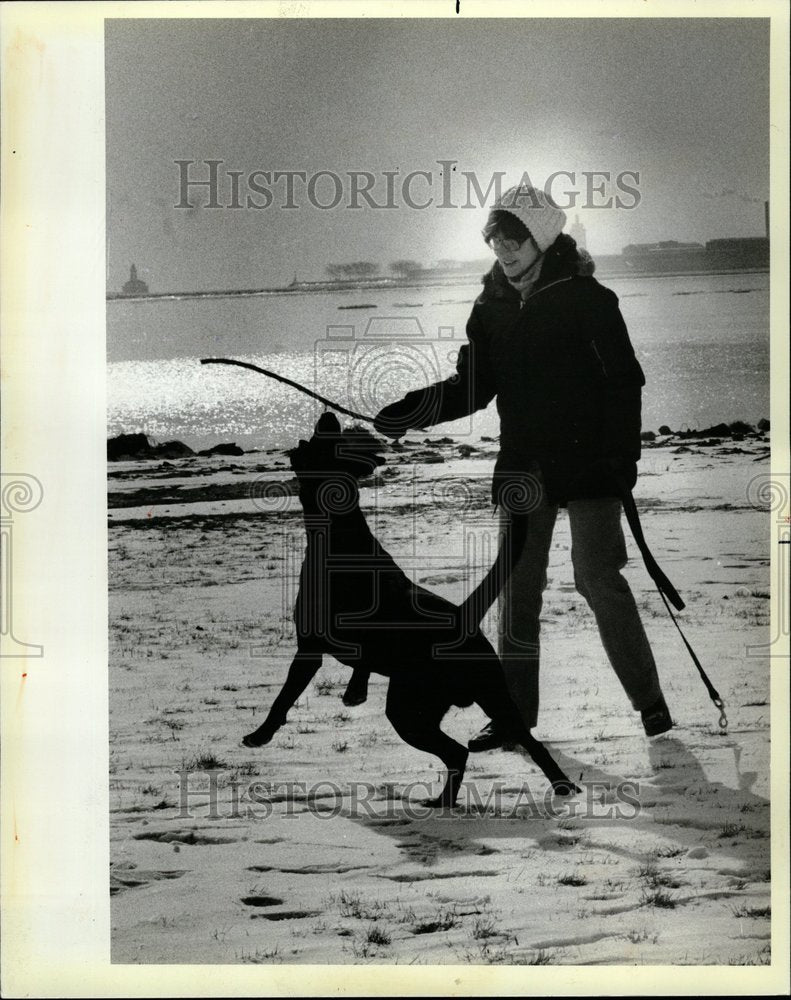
x=480 y=595
x=667 y=592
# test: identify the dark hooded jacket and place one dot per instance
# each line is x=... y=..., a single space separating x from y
x=567 y=382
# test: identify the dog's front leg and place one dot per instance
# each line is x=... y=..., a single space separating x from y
x=303 y=669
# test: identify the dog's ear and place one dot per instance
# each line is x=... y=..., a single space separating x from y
x=328 y=423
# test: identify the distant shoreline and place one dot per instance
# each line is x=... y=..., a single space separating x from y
x=383 y=284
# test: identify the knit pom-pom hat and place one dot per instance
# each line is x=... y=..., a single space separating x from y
x=534 y=210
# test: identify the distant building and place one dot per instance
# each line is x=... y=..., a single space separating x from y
x=667 y=255
x=739 y=252
x=670 y=256
x=662 y=245
x=577 y=233
x=134 y=286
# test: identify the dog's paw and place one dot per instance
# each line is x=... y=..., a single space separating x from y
x=356 y=690
x=439 y=802
x=259 y=738
x=352 y=698
x=565 y=788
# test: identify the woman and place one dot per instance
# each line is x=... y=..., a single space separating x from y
x=550 y=343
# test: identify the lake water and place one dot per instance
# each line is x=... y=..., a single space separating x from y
x=703 y=342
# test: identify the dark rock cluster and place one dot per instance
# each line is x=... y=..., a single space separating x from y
x=134 y=447
x=139 y=447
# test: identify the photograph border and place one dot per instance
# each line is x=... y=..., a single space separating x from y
x=55 y=754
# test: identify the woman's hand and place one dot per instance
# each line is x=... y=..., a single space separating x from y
x=394 y=420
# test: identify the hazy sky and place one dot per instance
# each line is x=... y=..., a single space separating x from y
x=682 y=102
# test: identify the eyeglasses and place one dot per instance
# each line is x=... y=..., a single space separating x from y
x=510 y=246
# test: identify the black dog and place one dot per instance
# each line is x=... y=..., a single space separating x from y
x=355 y=603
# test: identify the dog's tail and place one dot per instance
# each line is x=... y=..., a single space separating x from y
x=512 y=541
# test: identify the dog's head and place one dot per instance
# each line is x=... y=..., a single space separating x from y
x=353 y=452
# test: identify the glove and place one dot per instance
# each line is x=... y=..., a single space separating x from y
x=396 y=419
x=622 y=468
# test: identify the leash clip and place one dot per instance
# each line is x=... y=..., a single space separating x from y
x=723 y=720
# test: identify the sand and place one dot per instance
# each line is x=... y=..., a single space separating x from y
x=314 y=849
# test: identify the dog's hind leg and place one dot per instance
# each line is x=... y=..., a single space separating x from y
x=419 y=726
x=496 y=702
x=561 y=783
x=357 y=689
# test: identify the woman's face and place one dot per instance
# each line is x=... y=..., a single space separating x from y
x=514 y=259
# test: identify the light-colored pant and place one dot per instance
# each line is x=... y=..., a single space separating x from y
x=598 y=554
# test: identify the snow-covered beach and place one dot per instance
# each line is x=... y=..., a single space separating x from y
x=314 y=849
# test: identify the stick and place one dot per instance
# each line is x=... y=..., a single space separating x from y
x=288 y=381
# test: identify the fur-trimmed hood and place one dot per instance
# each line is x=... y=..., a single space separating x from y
x=564 y=259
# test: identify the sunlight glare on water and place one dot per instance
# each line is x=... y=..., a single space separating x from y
x=703 y=342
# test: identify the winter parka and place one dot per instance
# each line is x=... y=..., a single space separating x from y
x=567 y=382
